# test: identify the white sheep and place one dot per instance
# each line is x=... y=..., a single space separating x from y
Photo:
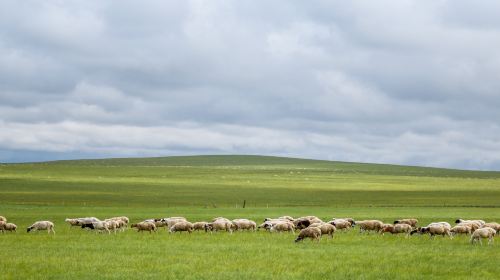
x=458 y=221
x=169 y=222
x=73 y=222
x=42 y=225
x=341 y=224
x=181 y=226
x=144 y=226
x=7 y=226
x=220 y=224
x=445 y=224
x=101 y=226
x=199 y=225
x=311 y=232
x=3 y=219
x=369 y=225
x=461 y=229
x=396 y=228
x=483 y=233
x=493 y=225
x=412 y=222
x=282 y=226
x=435 y=229
x=326 y=228
x=244 y=224
x=113 y=225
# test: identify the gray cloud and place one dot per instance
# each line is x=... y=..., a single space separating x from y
x=407 y=82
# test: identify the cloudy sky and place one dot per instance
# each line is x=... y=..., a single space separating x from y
x=403 y=82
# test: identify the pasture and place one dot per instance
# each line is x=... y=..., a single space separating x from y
x=200 y=188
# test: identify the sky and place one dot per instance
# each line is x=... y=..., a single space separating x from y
x=400 y=82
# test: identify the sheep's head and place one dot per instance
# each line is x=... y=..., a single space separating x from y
x=209 y=227
x=29 y=229
x=299 y=238
x=396 y=222
x=458 y=221
x=133 y=225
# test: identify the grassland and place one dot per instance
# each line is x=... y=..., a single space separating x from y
x=203 y=187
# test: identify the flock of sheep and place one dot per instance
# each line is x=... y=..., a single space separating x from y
x=310 y=226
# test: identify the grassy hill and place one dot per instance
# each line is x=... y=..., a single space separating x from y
x=203 y=187
x=228 y=180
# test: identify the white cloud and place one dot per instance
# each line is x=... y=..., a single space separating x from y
x=410 y=82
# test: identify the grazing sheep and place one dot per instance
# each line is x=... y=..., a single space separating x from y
x=301 y=223
x=221 y=224
x=350 y=220
x=169 y=222
x=411 y=222
x=122 y=224
x=101 y=226
x=326 y=228
x=311 y=232
x=158 y=222
x=369 y=225
x=244 y=224
x=445 y=224
x=495 y=226
x=472 y=225
x=304 y=222
x=73 y=222
x=458 y=221
x=267 y=225
x=282 y=226
x=113 y=225
x=342 y=224
x=181 y=226
x=199 y=225
x=88 y=220
x=436 y=229
x=42 y=225
x=122 y=218
x=460 y=229
x=144 y=226
x=483 y=233
x=3 y=219
x=397 y=228
x=8 y=227
x=4 y=226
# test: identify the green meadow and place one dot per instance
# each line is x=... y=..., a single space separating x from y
x=202 y=187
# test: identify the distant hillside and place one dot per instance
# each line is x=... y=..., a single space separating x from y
x=255 y=161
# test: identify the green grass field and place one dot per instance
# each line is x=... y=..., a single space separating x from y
x=204 y=187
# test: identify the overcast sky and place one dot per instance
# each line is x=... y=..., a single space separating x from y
x=402 y=82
